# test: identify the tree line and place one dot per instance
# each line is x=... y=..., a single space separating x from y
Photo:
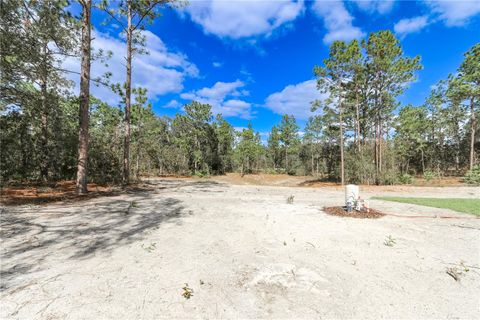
x=378 y=139
x=361 y=135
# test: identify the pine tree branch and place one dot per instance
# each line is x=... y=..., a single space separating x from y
x=115 y=18
x=147 y=12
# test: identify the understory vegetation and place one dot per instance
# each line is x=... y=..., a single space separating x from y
x=359 y=134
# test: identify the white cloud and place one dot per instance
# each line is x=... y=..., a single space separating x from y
x=295 y=99
x=406 y=26
x=337 y=21
x=223 y=97
x=243 y=19
x=239 y=129
x=455 y=13
x=173 y=104
x=161 y=71
x=217 y=64
x=372 y=6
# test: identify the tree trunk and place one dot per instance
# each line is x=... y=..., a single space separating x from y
x=423 y=162
x=81 y=183
x=139 y=133
x=128 y=92
x=377 y=133
x=342 y=162
x=312 y=161
x=380 y=141
x=357 y=120
x=44 y=163
x=473 y=124
x=44 y=126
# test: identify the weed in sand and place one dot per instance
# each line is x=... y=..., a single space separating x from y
x=290 y=199
x=187 y=291
x=389 y=241
x=150 y=248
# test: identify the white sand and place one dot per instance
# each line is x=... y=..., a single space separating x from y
x=255 y=255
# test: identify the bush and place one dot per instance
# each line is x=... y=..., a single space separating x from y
x=270 y=171
x=473 y=176
x=430 y=175
x=203 y=173
x=389 y=177
x=405 y=179
x=359 y=169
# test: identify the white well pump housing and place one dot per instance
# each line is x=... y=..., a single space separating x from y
x=352 y=194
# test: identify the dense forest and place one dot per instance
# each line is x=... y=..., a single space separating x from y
x=359 y=134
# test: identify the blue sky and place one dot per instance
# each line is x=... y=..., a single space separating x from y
x=253 y=60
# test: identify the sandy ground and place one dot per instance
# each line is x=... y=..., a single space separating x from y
x=244 y=251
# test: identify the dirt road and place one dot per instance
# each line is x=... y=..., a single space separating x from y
x=243 y=250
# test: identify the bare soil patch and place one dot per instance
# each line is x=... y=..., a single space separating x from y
x=341 y=212
x=131 y=256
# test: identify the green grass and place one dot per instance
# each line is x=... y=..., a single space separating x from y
x=461 y=205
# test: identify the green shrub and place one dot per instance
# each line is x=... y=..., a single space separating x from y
x=389 y=177
x=473 y=176
x=270 y=171
x=430 y=175
x=405 y=179
x=359 y=169
x=203 y=174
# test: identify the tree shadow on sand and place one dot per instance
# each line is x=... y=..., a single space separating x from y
x=202 y=186
x=77 y=232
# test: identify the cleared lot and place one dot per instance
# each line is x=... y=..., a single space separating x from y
x=244 y=251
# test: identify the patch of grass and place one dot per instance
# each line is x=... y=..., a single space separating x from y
x=471 y=206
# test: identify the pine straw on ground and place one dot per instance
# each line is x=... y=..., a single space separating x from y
x=341 y=212
x=33 y=193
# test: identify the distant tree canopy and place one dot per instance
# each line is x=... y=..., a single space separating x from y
x=362 y=133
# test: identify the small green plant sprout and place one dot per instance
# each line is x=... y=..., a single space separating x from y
x=187 y=291
x=284 y=243
x=464 y=267
x=389 y=241
x=131 y=205
x=290 y=199
x=150 y=248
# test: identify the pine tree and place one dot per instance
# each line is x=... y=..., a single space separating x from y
x=225 y=134
x=81 y=183
x=288 y=131
x=466 y=86
x=333 y=79
x=248 y=150
x=132 y=15
x=389 y=72
x=35 y=37
x=273 y=147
